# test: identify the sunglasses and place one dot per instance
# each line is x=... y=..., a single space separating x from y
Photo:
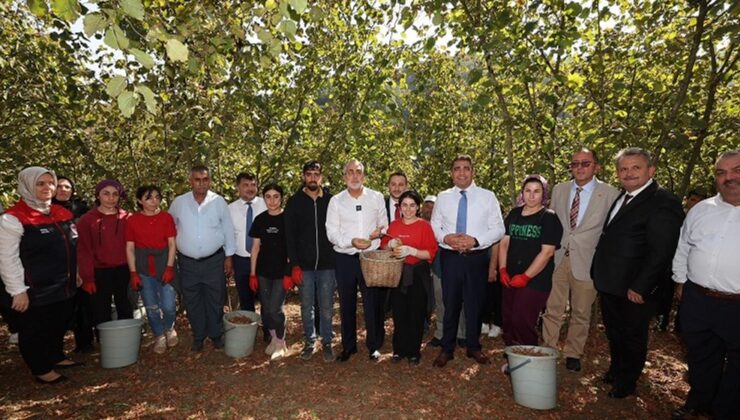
x=582 y=164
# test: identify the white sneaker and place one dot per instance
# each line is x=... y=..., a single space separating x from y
x=280 y=350
x=484 y=328
x=160 y=344
x=171 y=336
x=13 y=339
x=494 y=331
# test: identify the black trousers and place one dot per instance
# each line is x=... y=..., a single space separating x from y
x=41 y=332
x=10 y=316
x=627 y=330
x=111 y=283
x=83 y=320
x=492 y=305
x=709 y=329
x=409 y=305
x=464 y=279
x=349 y=278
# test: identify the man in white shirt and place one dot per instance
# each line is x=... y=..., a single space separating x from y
x=243 y=211
x=205 y=245
x=466 y=221
x=354 y=221
x=582 y=205
x=707 y=269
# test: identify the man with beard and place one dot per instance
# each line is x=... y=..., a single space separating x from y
x=354 y=222
x=397 y=185
x=707 y=270
x=631 y=264
x=312 y=258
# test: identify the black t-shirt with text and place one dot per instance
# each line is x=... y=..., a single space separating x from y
x=528 y=234
x=272 y=259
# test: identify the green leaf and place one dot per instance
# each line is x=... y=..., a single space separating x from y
x=264 y=36
x=68 y=10
x=149 y=99
x=176 y=50
x=115 y=38
x=94 y=22
x=133 y=8
x=270 y=4
x=575 y=80
x=127 y=103
x=38 y=7
x=145 y=59
x=288 y=27
x=474 y=76
x=298 y=5
x=115 y=86
x=437 y=19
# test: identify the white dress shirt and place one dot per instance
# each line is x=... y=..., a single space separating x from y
x=202 y=228
x=238 y=210
x=707 y=252
x=348 y=218
x=634 y=194
x=484 y=221
x=583 y=198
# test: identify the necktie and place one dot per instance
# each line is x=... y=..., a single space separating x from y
x=248 y=242
x=627 y=198
x=397 y=215
x=462 y=214
x=574 y=208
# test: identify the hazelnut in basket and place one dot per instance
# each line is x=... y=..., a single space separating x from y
x=394 y=243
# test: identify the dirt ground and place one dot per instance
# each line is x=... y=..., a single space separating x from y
x=182 y=384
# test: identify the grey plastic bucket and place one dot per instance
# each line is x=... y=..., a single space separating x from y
x=240 y=337
x=533 y=378
x=119 y=342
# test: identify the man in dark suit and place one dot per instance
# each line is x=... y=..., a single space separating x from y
x=631 y=264
x=397 y=185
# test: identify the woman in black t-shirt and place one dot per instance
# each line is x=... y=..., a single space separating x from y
x=533 y=233
x=269 y=263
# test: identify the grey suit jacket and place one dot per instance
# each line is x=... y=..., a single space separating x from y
x=582 y=240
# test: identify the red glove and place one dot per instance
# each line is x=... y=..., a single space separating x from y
x=135 y=281
x=89 y=287
x=253 y=283
x=169 y=275
x=520 y=280
x=503 y=276
x=287 y=283
x=297 y=275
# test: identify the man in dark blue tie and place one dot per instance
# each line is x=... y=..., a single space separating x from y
x=466 y=221
x=243 y=211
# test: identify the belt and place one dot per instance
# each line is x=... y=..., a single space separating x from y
x=717 y=294
x=470 y=253
x=180 y=254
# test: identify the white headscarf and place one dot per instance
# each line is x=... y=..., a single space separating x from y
x=27 y=187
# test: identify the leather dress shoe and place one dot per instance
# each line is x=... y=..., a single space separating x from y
x=435 y=342
x=68 y=365
x=462 y=343
x=218 y=342
x=197 y=346
x=478 y=356
x=573 y=364
x=58 y=380
x=687 y=412
x=442 y=359
x=346 y=354
x=619 y=392
x=608 y=378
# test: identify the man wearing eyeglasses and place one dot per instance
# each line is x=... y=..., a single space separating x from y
x=582 y=205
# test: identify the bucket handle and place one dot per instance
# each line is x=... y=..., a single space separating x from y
x=510 y=369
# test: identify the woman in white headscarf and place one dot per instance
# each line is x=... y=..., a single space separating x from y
x=38 y=270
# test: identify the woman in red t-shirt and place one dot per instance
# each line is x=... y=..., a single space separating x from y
x=150 y=252
x=413 y=240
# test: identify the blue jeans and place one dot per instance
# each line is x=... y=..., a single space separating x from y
x=317 y=285
x=159 y=301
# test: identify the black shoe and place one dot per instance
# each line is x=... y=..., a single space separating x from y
x=435 y=342
x=84 y=349
x=608 y=378
x=346 y=354
x=414 y=361
x=58 y=380
x=396 y=358
x=462 y=343
x=686 y=412
x=573 y=364
x=218 y=342
x=68 y=366
x=619 y=392
x=197 y=346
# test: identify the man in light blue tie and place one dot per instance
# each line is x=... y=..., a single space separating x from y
x=243 y=211
x=466 y=221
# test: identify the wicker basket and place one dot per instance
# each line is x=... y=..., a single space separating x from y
x=380 y=268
